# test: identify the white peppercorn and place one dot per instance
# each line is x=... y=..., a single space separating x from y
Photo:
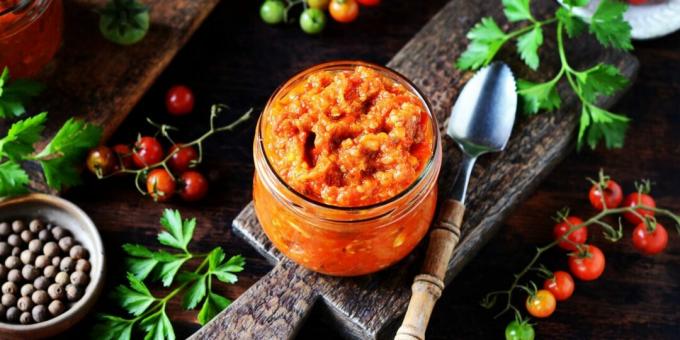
x=51 y=249
x=35 y=245
x=56 y=260
x=73 y=292
x=29 y=273
x=41 y=282
x=16 y=251
x=40 y=297
x=66 y=243
x=39 y=313
x=18 y=226
x=25 y=318
x=62 y=278
x=5 y=248
x=50 y=271
x=78 y=252
x=14 y=240
x=24 y=304
x=79 y=278
x=5 y=229
x=9 y=288
x=27 y=257
x=14 y=275
x=41 y=261
x=8 y=300
x=27 y=289
x=13 y=314
x=83 y=265
x=26 y=236
x=59 y=232
x=12 y=262
x=56 y=291
x=56 y=307
x=67 y=265
x=45 y=235
x=36 y=225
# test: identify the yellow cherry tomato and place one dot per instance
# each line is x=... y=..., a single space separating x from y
x=542 y=304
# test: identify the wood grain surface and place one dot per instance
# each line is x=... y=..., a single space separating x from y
x=94 y=79
x=236 y=59
x=368 y=307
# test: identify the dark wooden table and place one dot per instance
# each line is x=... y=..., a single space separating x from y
x=236 y=59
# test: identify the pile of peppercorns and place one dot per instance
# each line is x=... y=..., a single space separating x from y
x=43 y=270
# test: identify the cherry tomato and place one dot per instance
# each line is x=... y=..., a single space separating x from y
x=611 y=191
x=179 y=100
x=577 y=236
x=561 y=285
x=320 y=4
x=100 y=161
x=147 y=151
x=369 y=3
x=587 y=267
x=312 y=21
x=344 y=11
x=637 y=2
x=160 y=185
x=124 y=22
x=650 y=242
x=542 y=304
x=638 y=199
x=124 y=155
x=519 y=330
x=193 y=186
x=183 y=159
x=272 y=11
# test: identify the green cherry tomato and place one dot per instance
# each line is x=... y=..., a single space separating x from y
x=517 y=330
x=320 y=4
x=272 y=11
x=124 y=23
x=312 y=21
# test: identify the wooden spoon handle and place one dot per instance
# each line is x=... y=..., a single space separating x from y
x=428 y=286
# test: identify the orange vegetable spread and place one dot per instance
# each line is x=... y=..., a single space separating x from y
x=348 y=137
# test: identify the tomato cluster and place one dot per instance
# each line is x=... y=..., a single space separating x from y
x=313 y=17
x=164 y=174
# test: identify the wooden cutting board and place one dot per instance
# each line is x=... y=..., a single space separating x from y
x=371 y=306
x=94 y=79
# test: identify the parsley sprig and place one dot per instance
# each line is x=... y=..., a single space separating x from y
x=14 y=94
x=59 y=159
x=608 y=27
x=148 y=312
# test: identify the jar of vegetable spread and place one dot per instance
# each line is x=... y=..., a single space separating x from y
x=347 y=156
x=30 y=34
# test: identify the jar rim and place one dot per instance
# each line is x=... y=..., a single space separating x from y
x=385 y=71
x=31 y=10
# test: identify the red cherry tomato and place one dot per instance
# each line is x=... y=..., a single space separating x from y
x=344 y=11
x=542 y=304
x=650 y=242
x=147 y=151
x=160 y=185
x=637 y=2
x=183 y=159
x=100 y=161
x=611 y=191
x=579 y=235
x=193 y=186
x=179 y=100
x=635 y=199
x=587 y=267
x=124 y=155
x=561 y=285
x=370 y=3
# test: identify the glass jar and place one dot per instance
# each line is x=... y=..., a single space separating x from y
x=30 y=35
x=344 y=241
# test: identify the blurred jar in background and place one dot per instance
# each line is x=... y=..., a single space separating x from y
x=30 y=34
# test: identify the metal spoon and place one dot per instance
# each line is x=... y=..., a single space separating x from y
x=480 y=122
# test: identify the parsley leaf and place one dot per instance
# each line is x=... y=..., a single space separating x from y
x=158 y=326
x=486 y=38
x=225 y=271
x=168 y=270
x=179 y=233
x=112 y=328
x=21 y=136
x=572 y=24
x=517 y=10
x=146 y=260
x=528 y=44
x=602 y=79
x=538 y=96
x=135 y=300
x=61 y=158
x=14 y=94
x=597 y=123
x=609 y=27
x=13 y=179
x=195 y=293
x=212 y=305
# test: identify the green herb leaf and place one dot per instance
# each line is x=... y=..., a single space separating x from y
x=18 y=143
x=538 y=96
x=61 y=158
x=215 y=257
x=112 y=327
x=212 y=305
x=13 y=179
x=603 y=79
x=597 y=124
x=576 y=3
x=135 y=300
x=195 y=293
x=139 y=250
x=486 y=38
x=168 y=270
x=528 y=44
x=517 y=10
x=225 y=271
x=572 y=24
x=179 y=233
x=609 y=27
x=13 y=95
x=158 y=326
